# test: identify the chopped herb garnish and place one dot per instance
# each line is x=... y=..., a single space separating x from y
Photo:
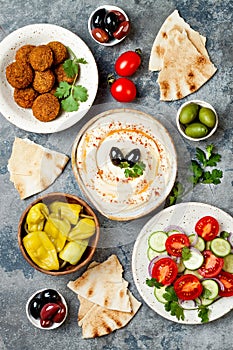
x=186 y=253
x=70 y=94
x=153 y=283
x=203 y=313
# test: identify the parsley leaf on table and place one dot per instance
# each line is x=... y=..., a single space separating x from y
x=70 y=94
x=202 y=161
x=176 y=193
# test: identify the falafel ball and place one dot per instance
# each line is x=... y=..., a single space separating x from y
x=22 y=54
x=46 y=107
x=43 y=81
x=41 y=58
x=19 y=75
x=61 y=75
x=60 y=52
x=25 y=97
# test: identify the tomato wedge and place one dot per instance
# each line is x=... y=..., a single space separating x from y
x=165 y=271
x=211 y=266
x=227 y=280
x=188 y=287
x=175 y=243
x=207 y=227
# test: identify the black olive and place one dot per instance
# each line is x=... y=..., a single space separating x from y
x=35 y=307
x=116 y=156
x=133 y=156
x=111 y=22
x=50 y=296
x=98 y=18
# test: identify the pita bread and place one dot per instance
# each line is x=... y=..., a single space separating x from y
x=184 y=70
x=33 y=167
x=174 y=21
x=103 y=285
x=100 y=321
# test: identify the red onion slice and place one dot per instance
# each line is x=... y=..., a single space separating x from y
x=230 y=239
x=195 y=240
x=188 y=304
x=174 y=228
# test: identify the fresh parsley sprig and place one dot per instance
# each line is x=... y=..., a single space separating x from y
x=203 y=313
x=176 y=193
x=172 y=305
x=135 y=171
x=70 y=94
x=202 y=161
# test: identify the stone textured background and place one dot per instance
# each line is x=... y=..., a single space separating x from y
x=18 y=280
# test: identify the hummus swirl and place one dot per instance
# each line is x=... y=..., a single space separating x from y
x=105 y=183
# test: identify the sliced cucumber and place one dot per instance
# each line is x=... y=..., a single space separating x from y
x=228 y=263
x=200 y=245
x=195 y=261
x=205 y=301
x=212 y=288
x=157 y=241
x=180 y=266
x=158 y=292
x=151 y=253
x=220 y=247
x=193 y=272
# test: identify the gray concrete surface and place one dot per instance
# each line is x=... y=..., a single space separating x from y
x=18 y=280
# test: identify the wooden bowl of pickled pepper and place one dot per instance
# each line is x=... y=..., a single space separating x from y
x=58 y=233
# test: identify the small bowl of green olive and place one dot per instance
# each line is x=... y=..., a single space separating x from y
x=196 y=120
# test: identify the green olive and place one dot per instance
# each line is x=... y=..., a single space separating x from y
x=189 y=113
x=207 y=117
x=196 y=130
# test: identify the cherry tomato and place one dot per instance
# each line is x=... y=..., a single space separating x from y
x=188 y=287
x=211 y=266
x=123 y=90
x=175 y=243
x=127 y=63
x=207 y=227
x=227 y=280
x=165 y=271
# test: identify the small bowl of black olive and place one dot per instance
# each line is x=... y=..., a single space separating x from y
x=108 y=25
x=46 y=309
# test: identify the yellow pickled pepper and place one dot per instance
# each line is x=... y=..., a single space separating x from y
x=52 y=228
x=73 y=251
x=69 y=211
x=84 y=229
x=36 y=217
x=41 y=250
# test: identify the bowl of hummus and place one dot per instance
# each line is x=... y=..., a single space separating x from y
x=125 y=163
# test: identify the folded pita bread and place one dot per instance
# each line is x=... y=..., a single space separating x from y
x=103 y=285
x=99 y=321
x=184 y=70
x=174 y=21
x=33 y=167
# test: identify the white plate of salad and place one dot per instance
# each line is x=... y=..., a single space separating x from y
x=183 y=263
x=42 y=34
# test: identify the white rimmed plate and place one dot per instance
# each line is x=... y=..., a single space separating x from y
x=104 y=184
x=37 y=34
x=184 y=215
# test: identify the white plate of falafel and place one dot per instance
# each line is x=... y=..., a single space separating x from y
x=48 y=77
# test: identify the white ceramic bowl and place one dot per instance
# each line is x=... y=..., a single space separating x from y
x=181 y=127
x=36 y=322
x=108 y=8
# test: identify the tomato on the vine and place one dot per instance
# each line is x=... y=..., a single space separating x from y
x=207 y=228
x=165 y=271
x=123 y=90
x=127 y=63
x=188 y=287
